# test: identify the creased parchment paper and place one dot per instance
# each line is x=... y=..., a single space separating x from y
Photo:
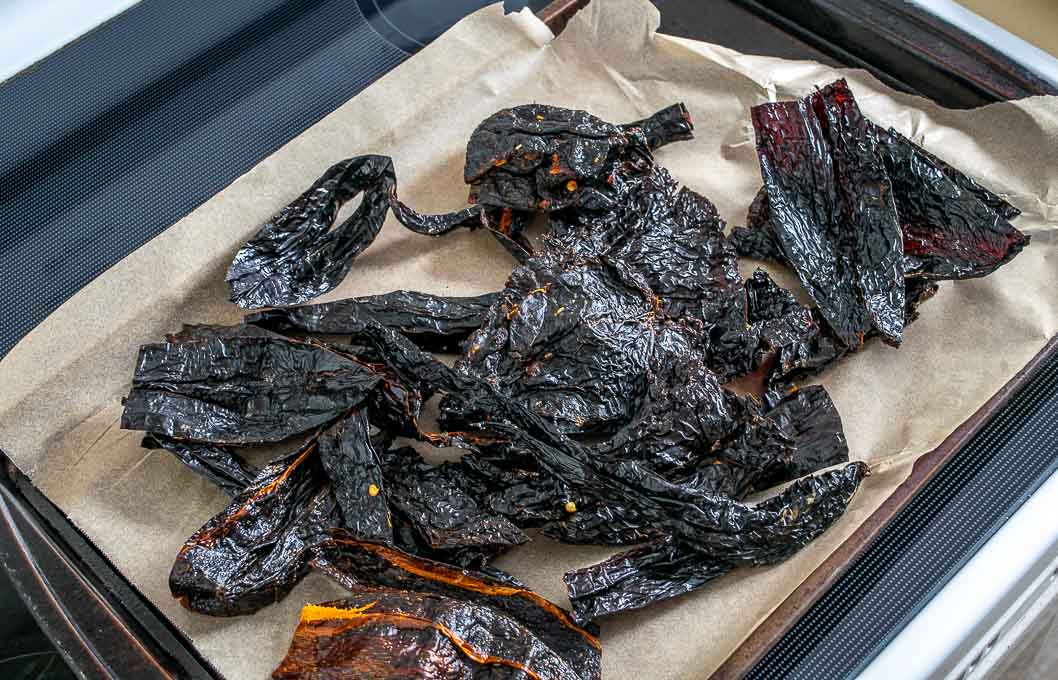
x=60 y=402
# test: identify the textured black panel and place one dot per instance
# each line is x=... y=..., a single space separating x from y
x=117 y=136
x=927 y=543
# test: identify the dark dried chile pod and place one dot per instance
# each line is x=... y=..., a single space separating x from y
x=758 y=239
x=891 y=139
x=435 y=225
x=643 y=500
x=949 y=233
x=539 y=157
x=866 y=223
x=799 y=435
x=255 y=551
x=433 y=322
x=798 y=173
x=952 y=226
x=686 y=410
x=361 y=566
x=299 y=254
x=758 y=243
x=242 y=390
x=770 y=532
x=833 y=211
x=296 y=255
x=514 y=487
x=352 y=464
x=218 y=464
x=576 y=329
x=381 y=633
x=671 y=124
x=775 y=322
x=536 y=346
x=197 y=331
x=441 y=503
x=814 y=352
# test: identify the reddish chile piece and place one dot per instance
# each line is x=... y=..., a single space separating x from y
x=387 y=634
x=833 y=212
x=949 y=232
x=798 y=172
x=866 y=224
x=952 y=227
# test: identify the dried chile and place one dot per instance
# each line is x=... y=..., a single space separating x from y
x=596 y=399
x=296 y=255
x=768 y=533
x=757 y=239
x=508 y=227
x=686 y=410
x=242 y=390
x=832 y=211
x=775 y=322
x=671 y=124
x=383 y=633
x=355 y=470
x=758 y=243
x=219 y=464
x=952 y=227
x=257 y=549
x=196 y=331
x=604 y=502
x=799 y=435
x=890 y=143
x=538 y=157
x=361 y=567
x=870 y=232
x=577 y=329
x=436 y=323
x=536 y=346
x=948 y=231
x=439 y=503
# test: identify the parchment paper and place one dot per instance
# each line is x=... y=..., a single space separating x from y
x=59 y=405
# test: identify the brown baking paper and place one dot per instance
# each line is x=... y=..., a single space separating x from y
x=60 y=402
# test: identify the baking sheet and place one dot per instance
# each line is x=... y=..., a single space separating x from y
x=62 y=385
